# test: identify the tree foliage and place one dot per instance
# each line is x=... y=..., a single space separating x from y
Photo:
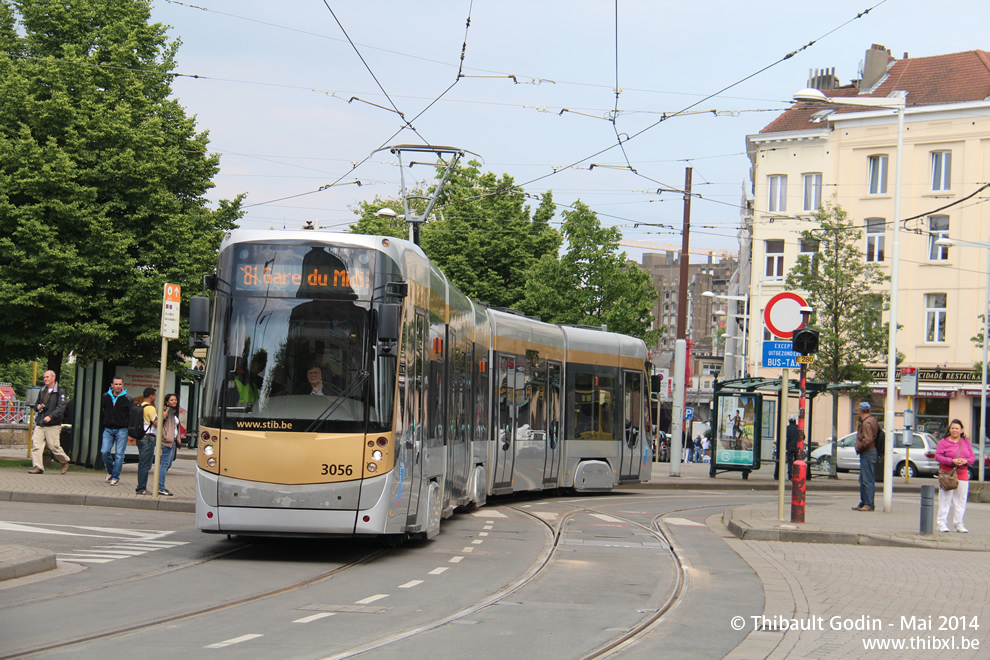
x=842 y=288
x=592 y=283
x=102 y=182
x=481 y=233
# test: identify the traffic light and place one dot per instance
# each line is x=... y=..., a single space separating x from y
x=805 y=341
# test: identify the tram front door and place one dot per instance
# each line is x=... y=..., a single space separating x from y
x=505 y=422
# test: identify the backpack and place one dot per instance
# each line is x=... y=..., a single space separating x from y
x=135 y=422
x=881 y=439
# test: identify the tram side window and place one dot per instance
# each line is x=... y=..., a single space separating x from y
x=591 y=401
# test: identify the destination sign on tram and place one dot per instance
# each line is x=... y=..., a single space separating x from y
x=303 y=272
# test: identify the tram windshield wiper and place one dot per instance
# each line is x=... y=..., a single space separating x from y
x=343 y=396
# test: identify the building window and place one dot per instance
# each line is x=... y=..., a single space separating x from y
x=775 y=259
x=812 y=191
x=808 y=247
x=875 y=236
x=711 y=369
x=878 y=174
x=778 y=193
x=935 y=318
x=941 y=170
x=938 y=227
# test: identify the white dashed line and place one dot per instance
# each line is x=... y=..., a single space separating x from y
x=489 y=514
x=455 y=560
x=438 y=571
x=487 y=527
x=602 y=516
x=410 y=584
x=683 y=522
x=477 y=542
x=467 y=549
x=314 y=617
x=229 y=642
x=370 y=599
x=482 y=533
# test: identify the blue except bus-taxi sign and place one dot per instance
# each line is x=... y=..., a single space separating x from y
x=779 y=355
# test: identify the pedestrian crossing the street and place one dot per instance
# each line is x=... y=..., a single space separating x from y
x=125 y=543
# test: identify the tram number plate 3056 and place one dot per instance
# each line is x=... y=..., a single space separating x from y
x=337 y=470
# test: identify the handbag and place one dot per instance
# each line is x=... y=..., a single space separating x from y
x=948 y=479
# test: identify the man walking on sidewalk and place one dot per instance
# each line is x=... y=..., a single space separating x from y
x=48 y=425
x=866 y=447
x=116 y=411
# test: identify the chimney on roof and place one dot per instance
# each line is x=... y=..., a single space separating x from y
x=875 y=66
x=822 y=79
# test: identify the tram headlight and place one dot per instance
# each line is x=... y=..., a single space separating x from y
x=211 y=462
x=208 y=450
x=377 y=455
x=372 y=467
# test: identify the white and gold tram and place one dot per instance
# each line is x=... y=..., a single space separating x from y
x=352 y=390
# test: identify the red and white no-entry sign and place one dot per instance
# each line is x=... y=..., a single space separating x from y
x=783 y=314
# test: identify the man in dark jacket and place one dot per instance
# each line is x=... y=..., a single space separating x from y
x=866 y=447
x=116 y=411
x=50 y=407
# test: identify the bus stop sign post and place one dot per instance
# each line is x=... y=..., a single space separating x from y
x=170 y=330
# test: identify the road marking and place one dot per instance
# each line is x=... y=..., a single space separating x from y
x=314 y=617
x=467 y=549
x=229 y=642
x=478 y=541
x=487 y=527
x=482 y=533
x=602 y=516
x=683 y=522
x=489 y=514
x=370 y=599
x=410 y=584
x=15 y=527
x=455 y=560
x=438 y=571
x=124 y=552
x=546 y=515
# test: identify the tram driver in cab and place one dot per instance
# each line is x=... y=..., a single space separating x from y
x=314 y=376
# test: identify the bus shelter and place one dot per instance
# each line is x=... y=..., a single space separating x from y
x=746 y=418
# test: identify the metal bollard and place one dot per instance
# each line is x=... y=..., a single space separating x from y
x=927 y=509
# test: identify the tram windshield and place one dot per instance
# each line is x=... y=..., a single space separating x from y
x=296 y=358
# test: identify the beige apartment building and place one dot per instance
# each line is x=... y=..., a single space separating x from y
x=845 y=155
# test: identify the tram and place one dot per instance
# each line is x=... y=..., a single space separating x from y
x=351 y=390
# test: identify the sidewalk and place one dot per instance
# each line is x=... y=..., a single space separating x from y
x=828 y=517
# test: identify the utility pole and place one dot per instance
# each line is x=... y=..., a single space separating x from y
x=680 y=365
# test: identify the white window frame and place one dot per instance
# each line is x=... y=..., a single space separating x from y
x=876 y=238
x=777 y=193
x=942 y=170
x=935 y=317
x=774 y=260
x=876 y=177
x=938 y=227
x=812 y=191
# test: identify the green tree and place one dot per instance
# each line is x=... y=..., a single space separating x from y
x=481 y=234
x=102 y=182
x=845 y=293
x=592 y=283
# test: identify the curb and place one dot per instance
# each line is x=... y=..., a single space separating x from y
x=17 y=561
x=179 y=505
x=744 y=532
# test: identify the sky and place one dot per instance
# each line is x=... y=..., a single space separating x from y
x=607 y=102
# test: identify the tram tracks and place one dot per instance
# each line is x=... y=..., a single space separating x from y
x=657 y=529
x=253 y=598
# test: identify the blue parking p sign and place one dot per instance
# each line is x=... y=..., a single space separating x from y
x=689 y=413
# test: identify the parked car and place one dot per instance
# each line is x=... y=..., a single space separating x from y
x=922 y=460
x=974 y=469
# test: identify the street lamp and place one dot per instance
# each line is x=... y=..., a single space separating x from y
x=897 y=103
x=945 y=241
x=745 y=317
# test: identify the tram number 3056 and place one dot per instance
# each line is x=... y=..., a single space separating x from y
x=335 y=470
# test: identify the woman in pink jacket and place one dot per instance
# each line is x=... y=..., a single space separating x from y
x=954 y=453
